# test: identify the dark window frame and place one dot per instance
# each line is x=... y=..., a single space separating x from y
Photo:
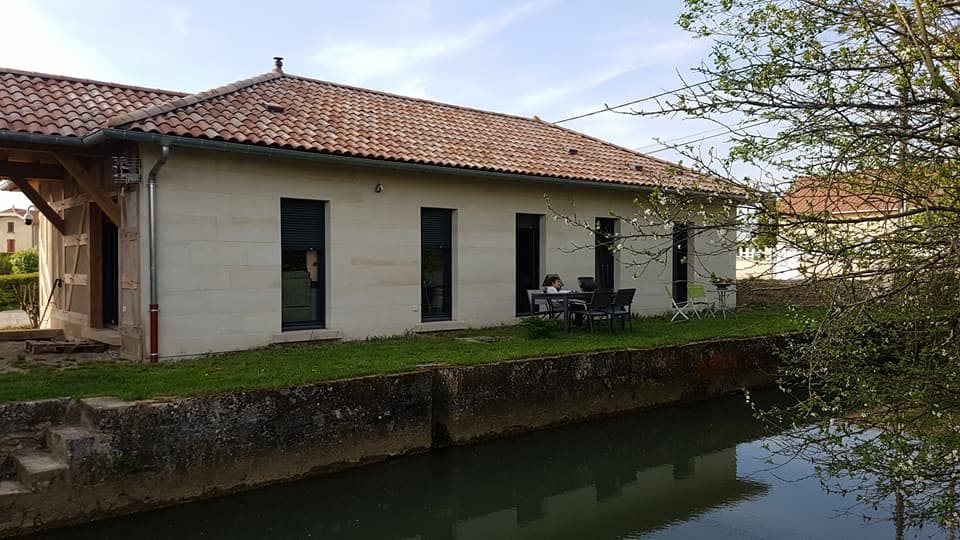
x=296 y=217
x=436 y=234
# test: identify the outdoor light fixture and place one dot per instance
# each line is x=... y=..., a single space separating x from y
x=28 y=216
x=378 y=188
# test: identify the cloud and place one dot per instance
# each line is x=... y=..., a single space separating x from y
x=179 y=16
x=33 y=41
x=360 y=61
x=624 y=60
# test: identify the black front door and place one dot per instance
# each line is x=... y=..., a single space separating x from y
x=528 y=259
x=681 y=260
x=604 y=264
x=110 y=272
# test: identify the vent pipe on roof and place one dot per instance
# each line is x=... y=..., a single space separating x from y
x=152 y=240
x=278 y=64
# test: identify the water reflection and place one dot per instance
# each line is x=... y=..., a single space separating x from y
x=667 y=473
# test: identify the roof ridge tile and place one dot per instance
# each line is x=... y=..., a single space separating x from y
x=188 y=100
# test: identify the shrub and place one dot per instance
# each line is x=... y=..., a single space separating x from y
x=5 y=267
x=538 y=328
x=25 y=261
x=9 y=297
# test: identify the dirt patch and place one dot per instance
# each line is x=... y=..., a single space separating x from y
x=15 y=359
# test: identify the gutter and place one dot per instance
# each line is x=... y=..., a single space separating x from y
x=303 y=155
x=152 y=241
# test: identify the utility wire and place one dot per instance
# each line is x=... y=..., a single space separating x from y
x=709 y=134
x=635 y=101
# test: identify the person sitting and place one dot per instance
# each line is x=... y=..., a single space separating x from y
x=553 y=285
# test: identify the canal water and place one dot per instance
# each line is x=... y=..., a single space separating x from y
x=697 y=471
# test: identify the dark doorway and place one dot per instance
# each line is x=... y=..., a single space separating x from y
x=604 y=265
x=436 y=260
x=302 y=240
x=528 y=259
x=110 y=271
x=681 y=260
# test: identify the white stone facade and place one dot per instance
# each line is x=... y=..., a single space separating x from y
x=219 y=283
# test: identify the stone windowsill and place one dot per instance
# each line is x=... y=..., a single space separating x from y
x=318 y=334
x=439 y=326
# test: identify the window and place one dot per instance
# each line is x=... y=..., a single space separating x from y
x=528 y=259
x=9 y=226
x=436 y=268
x=604 y=264
x=302 y=239
x=11 y=246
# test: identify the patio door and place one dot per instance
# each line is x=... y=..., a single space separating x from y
x=302 y=240
x=681 y=260
x=528 y=259
x=436 y=264
x=604 y=261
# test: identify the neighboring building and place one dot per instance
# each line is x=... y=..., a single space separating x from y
x=295 y=209
x=810 y=197
x=17 y=234
x=755 y=263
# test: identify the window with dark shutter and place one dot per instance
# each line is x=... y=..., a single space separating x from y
x=302 y=238
x=436 y=256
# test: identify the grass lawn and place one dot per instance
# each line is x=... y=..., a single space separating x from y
x=287 y=365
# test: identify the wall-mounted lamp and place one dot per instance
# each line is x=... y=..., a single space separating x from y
x=378 y=188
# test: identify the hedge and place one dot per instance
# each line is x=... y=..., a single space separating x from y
x=8 y=296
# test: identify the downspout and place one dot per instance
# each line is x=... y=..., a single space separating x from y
x=152 y=240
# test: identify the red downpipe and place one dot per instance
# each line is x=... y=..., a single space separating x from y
x=154 y=339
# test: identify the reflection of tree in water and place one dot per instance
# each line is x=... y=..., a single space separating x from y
x=599 y=480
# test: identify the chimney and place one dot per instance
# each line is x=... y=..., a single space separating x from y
x=278 y=64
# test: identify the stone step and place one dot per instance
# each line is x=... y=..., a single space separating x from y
x=12 y=487
x=93 y=410
x=68 y=443
x=37 y=469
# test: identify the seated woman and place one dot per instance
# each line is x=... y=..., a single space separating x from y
x=553 y=285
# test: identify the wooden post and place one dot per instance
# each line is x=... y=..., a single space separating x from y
x=91 y=185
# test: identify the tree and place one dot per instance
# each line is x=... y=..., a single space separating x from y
x=859 y=98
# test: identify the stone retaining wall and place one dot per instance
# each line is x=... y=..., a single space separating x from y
x=122 y=457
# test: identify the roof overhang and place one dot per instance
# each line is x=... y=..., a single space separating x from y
x=114 y=134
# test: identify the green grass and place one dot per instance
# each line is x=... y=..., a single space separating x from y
x=280 y=366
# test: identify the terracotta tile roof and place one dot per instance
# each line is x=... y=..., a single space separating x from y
x=812 y=196
x=46 y=104
x=285 y=111
x=298 y=113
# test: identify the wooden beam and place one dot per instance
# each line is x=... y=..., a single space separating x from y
x=49 y=171
x=52 y=216
x=89 y=183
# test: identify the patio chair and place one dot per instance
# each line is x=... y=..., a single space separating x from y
x=587 y=283
x=697 y=297
x=622 y=307
x=681 y=309
x=599 y=308
x=542 y=307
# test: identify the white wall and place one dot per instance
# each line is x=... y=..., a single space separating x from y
x=219 y=246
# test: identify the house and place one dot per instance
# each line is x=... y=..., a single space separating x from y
x=281 y=208
x=812 y=199
x=16 y=225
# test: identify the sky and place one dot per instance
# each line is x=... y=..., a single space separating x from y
x=549 y=58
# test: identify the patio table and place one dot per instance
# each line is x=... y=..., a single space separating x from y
x=564 y=300
x=723 y=296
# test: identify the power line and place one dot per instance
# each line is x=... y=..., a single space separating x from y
x=710 y=134
x=725 y=131
x=634 y=102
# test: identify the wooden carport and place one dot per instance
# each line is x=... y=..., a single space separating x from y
x=82 y=208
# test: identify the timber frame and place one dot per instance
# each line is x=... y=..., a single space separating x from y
x=73 y=191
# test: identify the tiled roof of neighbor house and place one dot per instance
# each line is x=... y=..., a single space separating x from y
x=297 y=113
x=17 y=211
x=55 y=105
x=814 y=196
